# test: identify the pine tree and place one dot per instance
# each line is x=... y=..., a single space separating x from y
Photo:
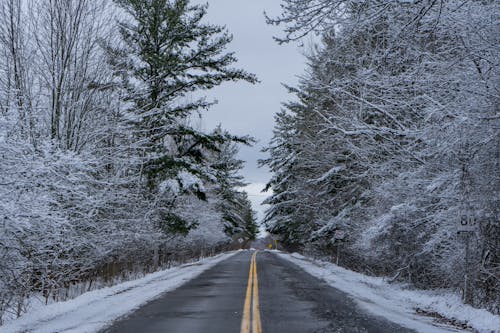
x=234 y=204
x=168 y=55
x=406 y=117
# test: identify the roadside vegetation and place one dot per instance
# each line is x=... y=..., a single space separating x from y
x=390 y=141
x=105 y=172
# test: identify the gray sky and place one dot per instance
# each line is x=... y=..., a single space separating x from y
x=249 y=109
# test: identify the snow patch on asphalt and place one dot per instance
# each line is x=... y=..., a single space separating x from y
x=395 y=303
x=97 y=309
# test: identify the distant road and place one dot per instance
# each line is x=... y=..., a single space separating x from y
x=253 y=292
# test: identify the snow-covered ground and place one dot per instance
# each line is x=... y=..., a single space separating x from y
x=396 y=303
x=94 y=310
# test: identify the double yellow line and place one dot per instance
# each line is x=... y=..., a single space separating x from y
x=252 y=301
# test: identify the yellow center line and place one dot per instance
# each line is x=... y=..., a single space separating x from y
x=252 y=298
x=256 y=324
x=245 y=322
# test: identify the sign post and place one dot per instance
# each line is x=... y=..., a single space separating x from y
x=467 y=222
x=466 y=226
x=339 y=237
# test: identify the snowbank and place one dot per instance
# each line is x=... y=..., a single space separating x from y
x=394 y=302
x=94 y=310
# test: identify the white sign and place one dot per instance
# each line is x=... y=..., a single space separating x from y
x=466 y=223
x=240 y=240
x=339 y=234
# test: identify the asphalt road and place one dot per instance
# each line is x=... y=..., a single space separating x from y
x=225 y=299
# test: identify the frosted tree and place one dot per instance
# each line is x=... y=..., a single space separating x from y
x=81 y=139
x=168 y=54
x=16 y=101
x=401 y=99
x=233 y=203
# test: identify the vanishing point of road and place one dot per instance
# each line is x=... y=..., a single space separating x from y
x=253 y=292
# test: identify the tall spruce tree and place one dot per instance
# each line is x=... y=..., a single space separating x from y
x=168 y=54
x=236 y=208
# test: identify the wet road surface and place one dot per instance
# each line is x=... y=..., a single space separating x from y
x=225 y=298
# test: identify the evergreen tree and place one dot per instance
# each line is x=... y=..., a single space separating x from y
x=168 y=55
x=390 y=137
x=234 y=204
x=284 y=215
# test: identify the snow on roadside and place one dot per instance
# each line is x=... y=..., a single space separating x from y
x=395 y=303
x=96 y=309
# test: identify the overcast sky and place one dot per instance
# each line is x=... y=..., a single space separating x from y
x=249 y=109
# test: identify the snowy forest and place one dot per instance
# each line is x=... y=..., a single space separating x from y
x=384 y=159
x=105 y=168
x=390 y=140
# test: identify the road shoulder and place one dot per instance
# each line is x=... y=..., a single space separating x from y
x=393 y=301
x=96 y=309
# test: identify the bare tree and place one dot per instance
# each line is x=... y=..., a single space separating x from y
x=16 y=81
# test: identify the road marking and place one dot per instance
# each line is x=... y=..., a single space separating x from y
x=245 y=322
x=256 y=324
x=252 y=298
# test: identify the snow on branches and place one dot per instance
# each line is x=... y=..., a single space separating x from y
x=394 y=136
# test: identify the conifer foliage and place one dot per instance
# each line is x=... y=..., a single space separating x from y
x=392 y=137
x=168 y=54
x=104 y=172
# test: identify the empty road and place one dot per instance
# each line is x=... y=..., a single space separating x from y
x=253 y=292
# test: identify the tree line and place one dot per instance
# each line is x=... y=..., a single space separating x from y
x=104 y=166
x=391 y=138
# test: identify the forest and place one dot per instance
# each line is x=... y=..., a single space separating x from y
x=384 y=159
x=105 y=170
x=390 y=142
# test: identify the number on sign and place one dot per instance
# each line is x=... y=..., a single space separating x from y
x=466 y=223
